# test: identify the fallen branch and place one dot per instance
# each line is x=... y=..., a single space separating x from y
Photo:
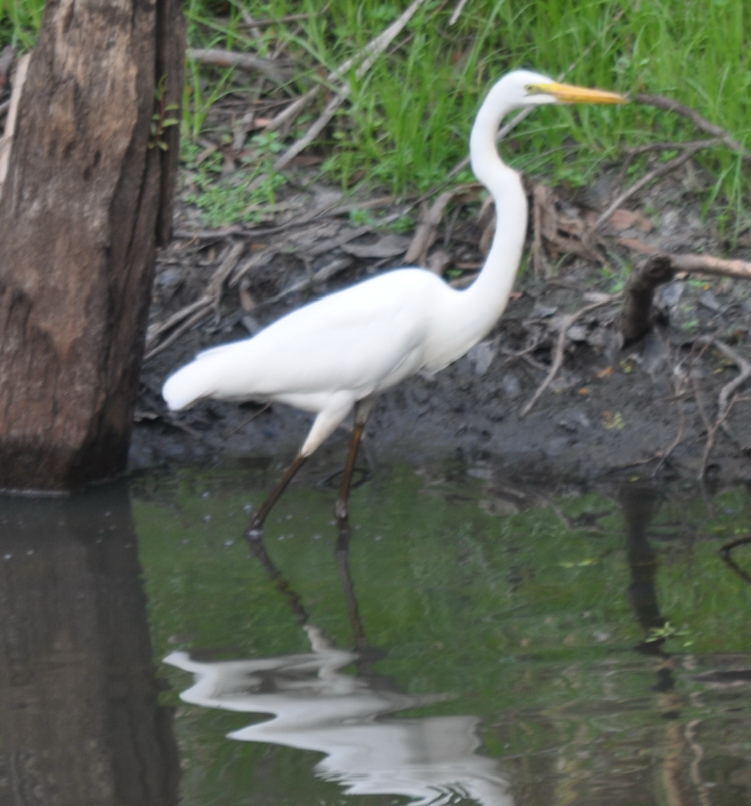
x=566 y=323
x=707 y=264
x=693 y=263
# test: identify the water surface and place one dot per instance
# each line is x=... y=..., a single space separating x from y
x=472 y=641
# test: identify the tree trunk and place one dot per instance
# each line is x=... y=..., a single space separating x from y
x=87 y=199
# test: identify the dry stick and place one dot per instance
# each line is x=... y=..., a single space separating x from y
x=184 y=328
x=707 y=264
x=155 y=331
x=457 y=12
x=244 y=61
x=692 y=263
x=559 y=347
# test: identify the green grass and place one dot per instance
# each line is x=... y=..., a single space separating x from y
x=407 y=120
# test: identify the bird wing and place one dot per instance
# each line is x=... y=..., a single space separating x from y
x=363 y=339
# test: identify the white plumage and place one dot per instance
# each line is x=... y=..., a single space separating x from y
x=336 y=354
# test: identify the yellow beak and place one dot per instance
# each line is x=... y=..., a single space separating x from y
x=569 y=94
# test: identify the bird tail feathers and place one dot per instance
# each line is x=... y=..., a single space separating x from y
x=188 y=385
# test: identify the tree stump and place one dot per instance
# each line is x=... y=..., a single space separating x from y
x=87 y=199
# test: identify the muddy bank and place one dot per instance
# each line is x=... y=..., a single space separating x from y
x=656 y=407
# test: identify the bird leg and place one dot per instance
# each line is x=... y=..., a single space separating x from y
x=256 y=525
x=361 y=416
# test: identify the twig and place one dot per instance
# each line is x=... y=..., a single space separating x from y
x=736 y=541
x=156 y=330
x=660 y=170
x=457 y=12
x=199 y=315
x=724 y=401
x=200 y=308
x=671 y=105
x=243 y=61
x=724 y=553
x=567 y=322
x=245 y=422
x=744 y=375
x=707 y=264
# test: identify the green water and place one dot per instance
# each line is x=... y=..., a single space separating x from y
x=474 y=641
x=594 y=640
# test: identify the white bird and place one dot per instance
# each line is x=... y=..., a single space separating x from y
x=340 y=352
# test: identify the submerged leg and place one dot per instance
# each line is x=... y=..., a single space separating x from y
x=256 y=524
x=362 y=410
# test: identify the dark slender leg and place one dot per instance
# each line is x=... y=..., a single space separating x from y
x=341 y=502
x=256 y=525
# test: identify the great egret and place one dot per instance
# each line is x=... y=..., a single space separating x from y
x=338 y=353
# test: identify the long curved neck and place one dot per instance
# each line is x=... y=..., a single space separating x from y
x=485 y=300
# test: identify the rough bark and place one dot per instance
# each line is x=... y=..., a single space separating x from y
x=87 y=198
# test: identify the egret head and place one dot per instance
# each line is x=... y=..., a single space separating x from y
x=525 y=88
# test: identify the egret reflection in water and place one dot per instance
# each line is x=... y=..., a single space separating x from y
x=316 y=706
